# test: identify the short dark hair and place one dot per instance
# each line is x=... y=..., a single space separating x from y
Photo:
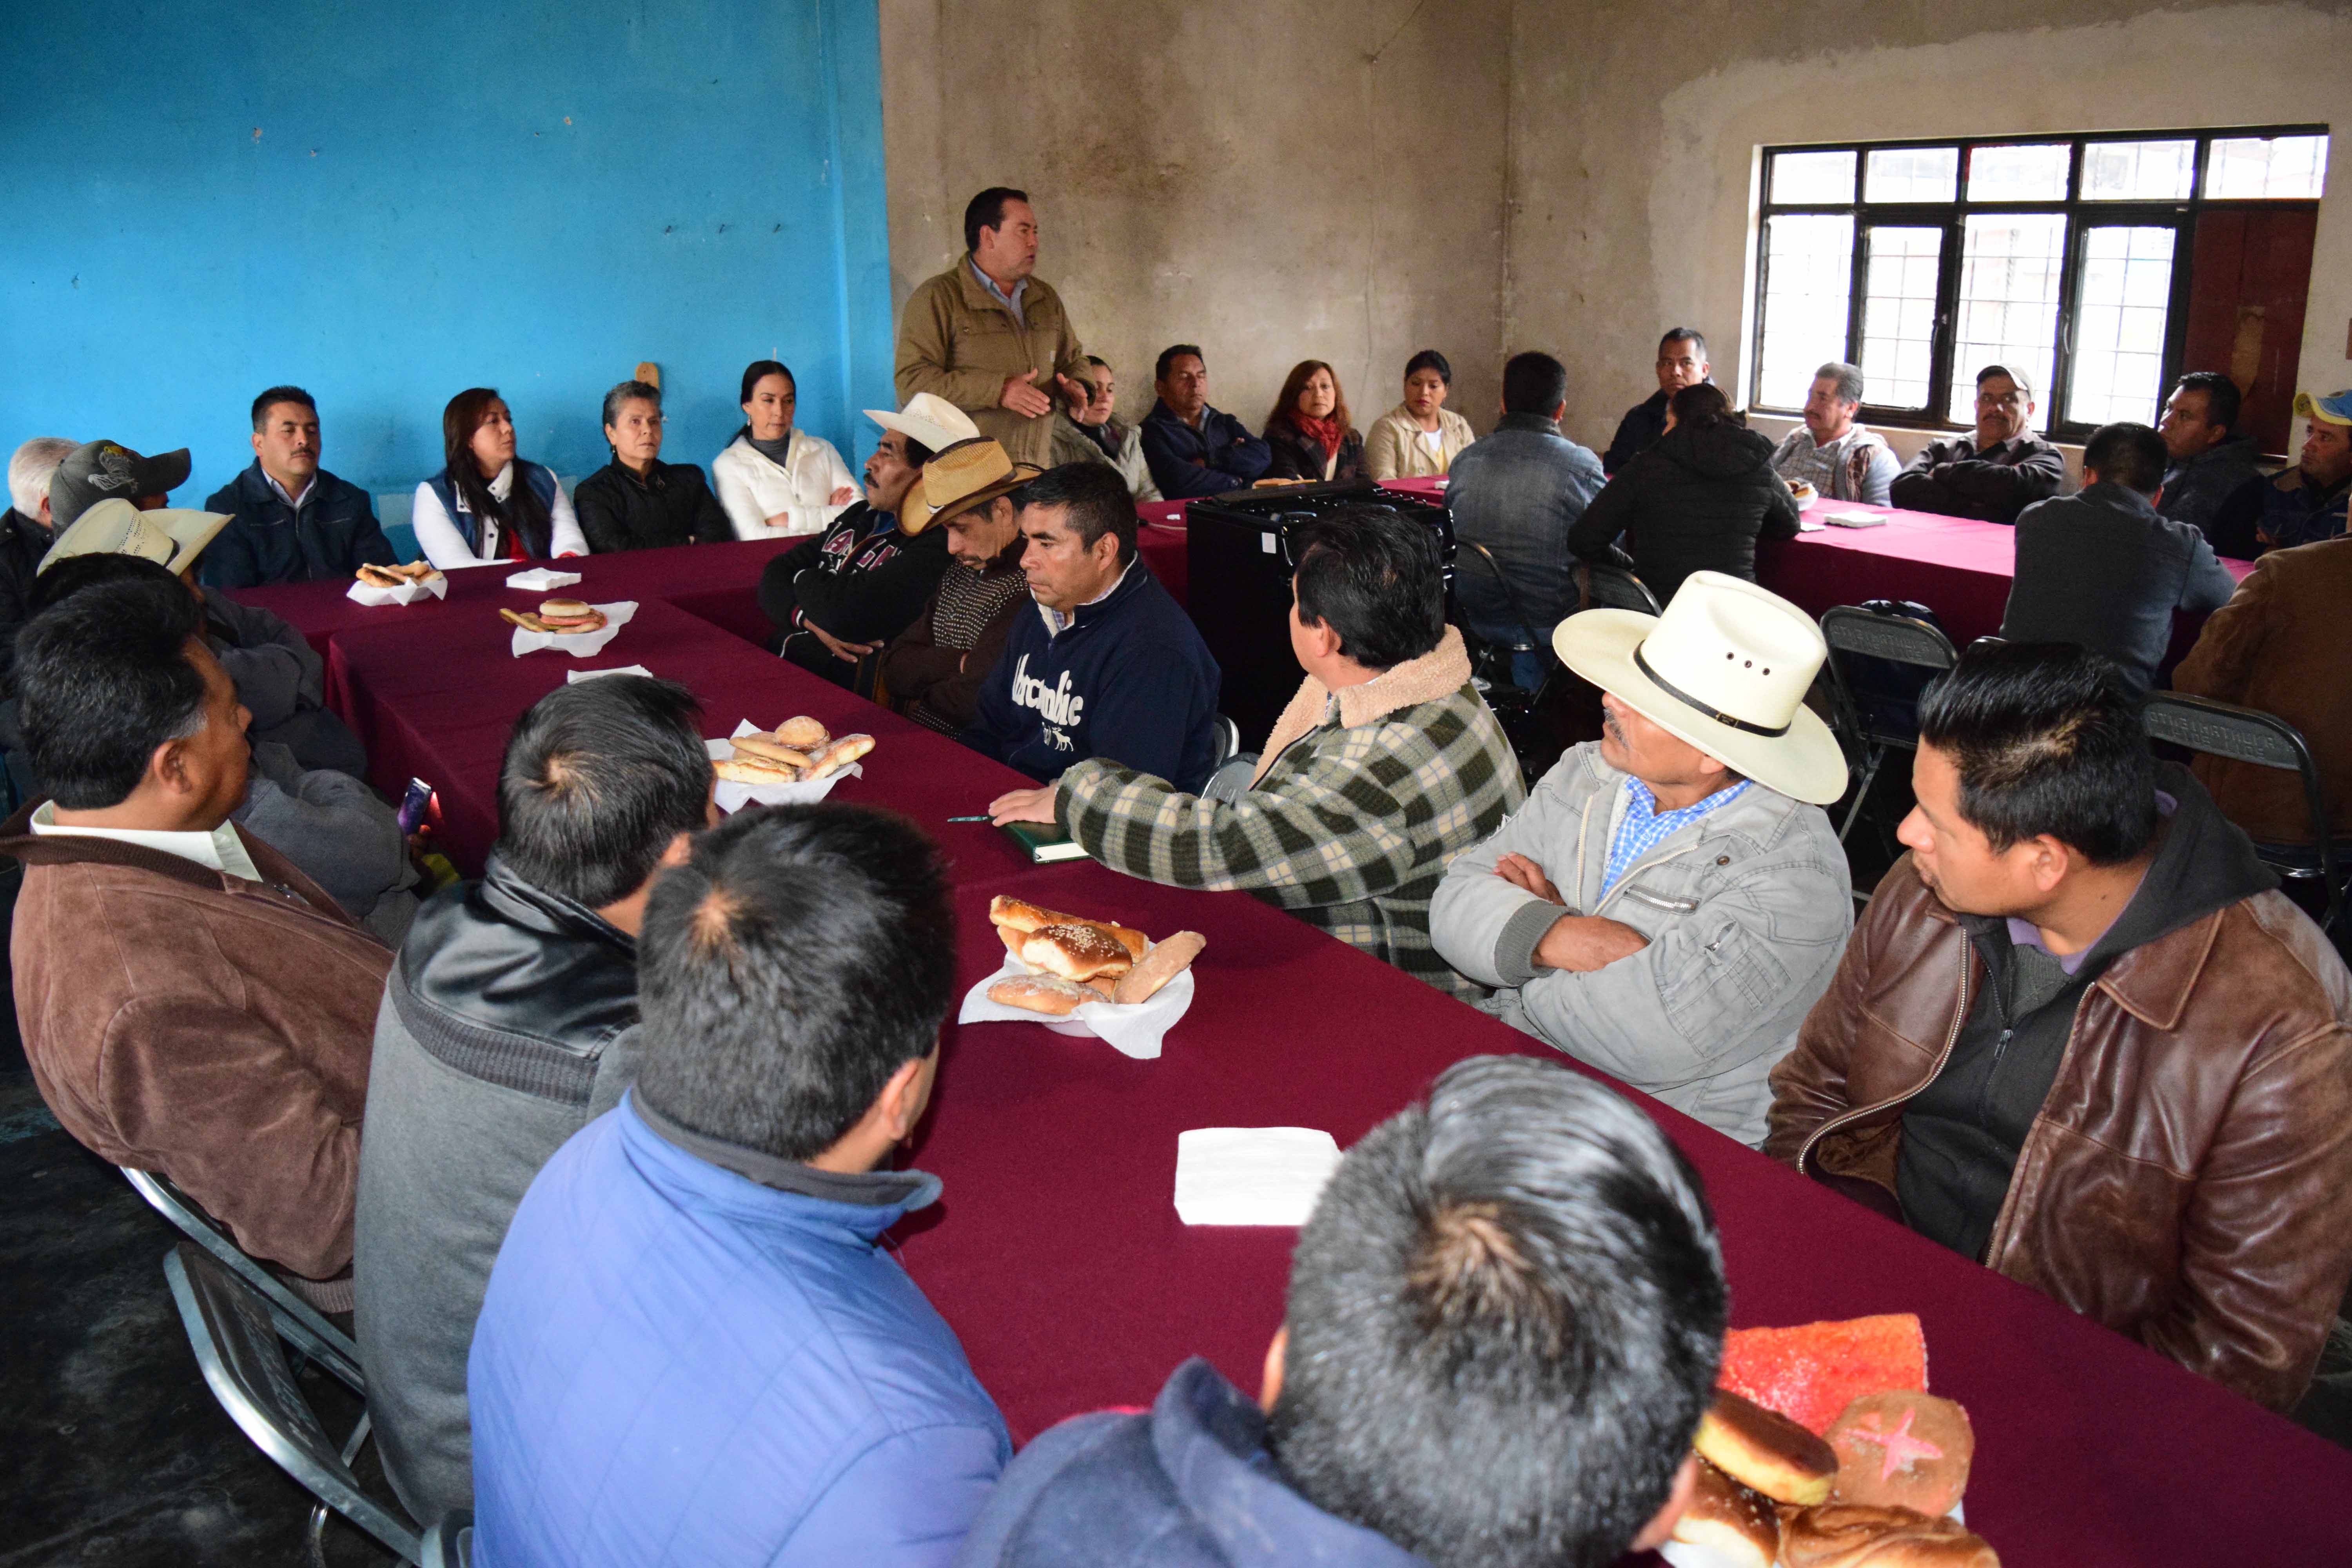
x=1173 y=352
x=2129 y=455
x=2046 y=738
x=1099 y=500
x=802 y=956
x=1683 y=335
x=1533 y=383
x=597 y=779
x=2222 y=398
x=276 y=394
x=1371 y=574
x=986 y=210
x=1504 y=1316
x=1700 y=403
x=103 y=678
x=1429 y=359
x=760 y=370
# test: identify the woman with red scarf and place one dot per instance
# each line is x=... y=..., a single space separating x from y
x=1308 y=428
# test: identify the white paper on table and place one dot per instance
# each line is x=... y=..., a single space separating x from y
x=1133 y=1028
x=577 y=676
x=579 y=645
x=732 y=797
x=540 y=579
x=436 y=586
x=1252 y=1176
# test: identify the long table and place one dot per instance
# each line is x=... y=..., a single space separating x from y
x=1057 y=1254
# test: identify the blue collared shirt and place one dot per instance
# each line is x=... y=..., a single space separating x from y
x=1643 y=827
x=1010 y=302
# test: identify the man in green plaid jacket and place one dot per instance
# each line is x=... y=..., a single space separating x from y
x=1386 y=764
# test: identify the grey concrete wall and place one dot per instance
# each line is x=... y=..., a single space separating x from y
x=1635 y=129
x=1275 y=180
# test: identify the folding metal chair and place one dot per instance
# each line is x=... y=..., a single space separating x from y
x=1871 y=726
x=298 y=1323
x=450 y=1542
x=2267 y=740
x=1602 y=587
x=1526 y=640
x=235 y=1338
x=1235 y=766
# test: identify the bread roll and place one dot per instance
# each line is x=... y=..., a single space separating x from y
x=1737 y=1522
x=1902 y=1449
x=380 y=576
x=802 y=733
x=1106 y=987
x=1162 y=964
x=1848 y=1535
x=1027 y=917
x=1764 y=1450
x=528 y=623
x=769 y=750
x=754 y=771
x=839 y=755
x=1076 y=952
x=1041 y=993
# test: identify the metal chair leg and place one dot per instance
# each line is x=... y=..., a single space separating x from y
x=1861 y=792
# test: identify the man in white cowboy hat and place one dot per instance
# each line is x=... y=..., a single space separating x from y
x=1672 y=899
x=838 y=595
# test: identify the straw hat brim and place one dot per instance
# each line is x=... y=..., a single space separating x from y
x=1021 y=475
x=1805 y=763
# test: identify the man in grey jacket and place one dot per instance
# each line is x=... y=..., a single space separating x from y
x=505 y=1027
x=1671 y=901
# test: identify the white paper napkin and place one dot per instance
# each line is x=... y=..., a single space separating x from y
x=579 y=645
x=1252 y=1176
x=1134 y=1029
x=436 y=586
x=577 y=676
x=734 y=797
x=540 y=579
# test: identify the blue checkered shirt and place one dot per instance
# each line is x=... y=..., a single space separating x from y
x=1643 y=827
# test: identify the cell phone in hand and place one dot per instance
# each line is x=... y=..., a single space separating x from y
x=413 y=805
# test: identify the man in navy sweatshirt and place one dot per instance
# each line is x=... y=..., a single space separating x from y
x=1110 y=666
x=1194 y=450
x=1504 y=1321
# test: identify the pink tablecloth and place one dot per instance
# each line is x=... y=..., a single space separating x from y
x=1057 y=1254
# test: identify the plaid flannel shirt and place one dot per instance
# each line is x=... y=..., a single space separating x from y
x=1349 y=827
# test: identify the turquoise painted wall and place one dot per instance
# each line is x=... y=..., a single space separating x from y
x=386 y=204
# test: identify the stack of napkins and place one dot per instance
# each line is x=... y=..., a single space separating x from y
x=1252 y=1176
x=540 y=579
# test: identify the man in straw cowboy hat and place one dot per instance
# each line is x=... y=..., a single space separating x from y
x=1671 y=901
x=839 y=596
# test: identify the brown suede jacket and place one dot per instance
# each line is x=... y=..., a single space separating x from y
x=182 y=1020
x=2188 y=1180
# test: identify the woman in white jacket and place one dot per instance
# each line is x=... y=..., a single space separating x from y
x=774 y=480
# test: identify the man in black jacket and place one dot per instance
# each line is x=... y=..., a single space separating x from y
x=1994 y=473
x=2101 y=569
x=1192 y=449
x=837 y=598
x=505 y=1028
x=1682 y=362
x=291 y=520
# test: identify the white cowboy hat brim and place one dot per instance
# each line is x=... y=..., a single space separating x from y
x=104 y=530
x=1805 y=763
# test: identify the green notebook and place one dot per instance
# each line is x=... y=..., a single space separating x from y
x=1044 y=842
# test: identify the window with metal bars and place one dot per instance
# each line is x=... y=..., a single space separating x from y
x=2076 y=258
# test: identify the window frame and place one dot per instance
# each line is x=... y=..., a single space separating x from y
x=2081 y=214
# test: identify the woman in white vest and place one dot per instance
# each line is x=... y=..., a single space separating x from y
x=774 y=480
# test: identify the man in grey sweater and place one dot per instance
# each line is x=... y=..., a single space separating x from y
x=507 y=1024
x=2101 y=569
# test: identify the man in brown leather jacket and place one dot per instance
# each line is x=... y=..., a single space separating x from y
x=2080 y=1036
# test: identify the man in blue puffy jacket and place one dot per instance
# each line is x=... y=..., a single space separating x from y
x=694 y=1347
x=1504 y=1317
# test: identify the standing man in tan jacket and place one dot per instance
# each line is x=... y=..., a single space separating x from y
x=989 y=337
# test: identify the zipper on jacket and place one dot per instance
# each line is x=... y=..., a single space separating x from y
x=1951 y=1038
x=1659 y=901
x=2000 y=1047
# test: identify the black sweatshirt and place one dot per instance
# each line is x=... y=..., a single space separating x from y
x=861 y=580
x=671 y=505
x=1962 y=1133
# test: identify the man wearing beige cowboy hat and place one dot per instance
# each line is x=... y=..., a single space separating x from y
x=837 y=596
x=1672 y=899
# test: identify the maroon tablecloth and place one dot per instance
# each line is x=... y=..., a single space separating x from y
x=1160 y=542
x=1057 y=1254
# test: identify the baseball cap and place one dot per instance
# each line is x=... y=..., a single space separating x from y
x=2335 y=410
x=170 y=538
x=97 y=471
x=2022 y=378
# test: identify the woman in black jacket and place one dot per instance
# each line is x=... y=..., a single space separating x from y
x=636 y=501
x=1695 y=500
x=1308 y=428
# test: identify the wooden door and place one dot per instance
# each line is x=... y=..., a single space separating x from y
x=2251 y=271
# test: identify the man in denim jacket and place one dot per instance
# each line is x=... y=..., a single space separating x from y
x=1671 y=901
